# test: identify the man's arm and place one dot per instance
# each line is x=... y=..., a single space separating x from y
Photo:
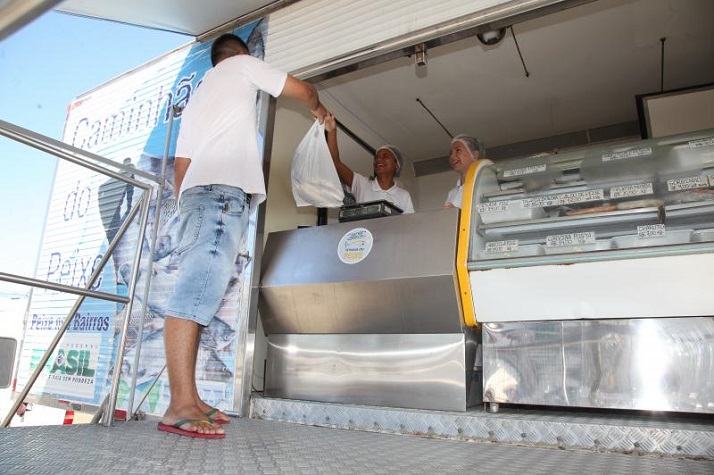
x=181 y=164
x=343 y=171
x=305 y=93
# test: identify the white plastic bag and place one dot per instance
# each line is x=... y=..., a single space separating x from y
x=313 y=175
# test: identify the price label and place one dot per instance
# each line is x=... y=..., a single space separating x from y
x=701 y=143
x=493 y=206
x=572 y=239
x=524 y=171
x=499 y=247
x=564 y=199
x=650 y=230
x=688 y=183
x=640 y=152
x=631 y=190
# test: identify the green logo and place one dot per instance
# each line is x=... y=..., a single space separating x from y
x=71 y=363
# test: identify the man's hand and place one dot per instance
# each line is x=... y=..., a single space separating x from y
x=320 y=113
x=330 y=123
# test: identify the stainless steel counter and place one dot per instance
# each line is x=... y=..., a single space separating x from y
x=367 y=312
x=405 y=284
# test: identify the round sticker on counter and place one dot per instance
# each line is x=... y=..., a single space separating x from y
x=355 y=246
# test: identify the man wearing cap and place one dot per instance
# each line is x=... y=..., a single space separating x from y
x=465 y=150
x=381 y=186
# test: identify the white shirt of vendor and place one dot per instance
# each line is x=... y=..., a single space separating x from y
x=223 y=139
x=365 y=190
x=456 y=194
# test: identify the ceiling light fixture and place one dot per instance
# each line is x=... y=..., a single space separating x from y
x=492 y=37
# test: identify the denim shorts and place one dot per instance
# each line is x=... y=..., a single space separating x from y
x=214 y=221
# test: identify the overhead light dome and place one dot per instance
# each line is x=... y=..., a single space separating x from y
x=492 y=37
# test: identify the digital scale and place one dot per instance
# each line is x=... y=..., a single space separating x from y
x=368 y=210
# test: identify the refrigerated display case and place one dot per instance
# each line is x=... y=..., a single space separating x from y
x=592 y=271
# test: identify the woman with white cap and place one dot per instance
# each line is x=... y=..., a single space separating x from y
x=465 y=150
x=381 y=186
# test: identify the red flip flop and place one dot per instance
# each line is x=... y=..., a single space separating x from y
x=176 y=429
x=217 y=421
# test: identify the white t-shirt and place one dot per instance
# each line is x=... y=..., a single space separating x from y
x=456 y=194
x=365 y=190
x=219 y=126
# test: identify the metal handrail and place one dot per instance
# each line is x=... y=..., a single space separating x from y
x=68 y=289
x=105 y=167
x=76 y=155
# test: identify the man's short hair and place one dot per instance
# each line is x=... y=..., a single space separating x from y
x=225 y=46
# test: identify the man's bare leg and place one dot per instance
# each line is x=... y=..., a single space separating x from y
x=216 y=416
x=181 y=339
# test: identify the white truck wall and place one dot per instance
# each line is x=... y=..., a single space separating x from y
x=315 y=35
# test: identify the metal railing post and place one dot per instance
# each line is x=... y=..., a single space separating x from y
x=109 y=415
x=152 y=252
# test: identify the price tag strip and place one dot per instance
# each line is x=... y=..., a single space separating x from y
x=628 y=191
x=688 y=183
x=651 y=230
x=499 y=247
x=495 y=206
x=572 y=239
x=524 y=171
x=640 y=152
x=564 y=199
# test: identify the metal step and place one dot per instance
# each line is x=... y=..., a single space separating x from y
x=604 y=431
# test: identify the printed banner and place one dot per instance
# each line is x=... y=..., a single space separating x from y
x=126 y=120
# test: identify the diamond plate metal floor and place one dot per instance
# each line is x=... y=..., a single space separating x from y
x=612 y=431
x=266 y=447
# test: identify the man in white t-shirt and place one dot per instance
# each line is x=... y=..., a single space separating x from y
x=382 y=186
x=465 y=150
x=219 y=179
